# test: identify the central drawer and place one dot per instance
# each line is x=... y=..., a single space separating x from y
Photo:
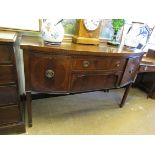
x=102 y=63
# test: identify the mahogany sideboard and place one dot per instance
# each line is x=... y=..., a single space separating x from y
x=72 y=68
x=11 y=108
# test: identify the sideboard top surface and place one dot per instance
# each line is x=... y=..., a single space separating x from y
x=37 y=43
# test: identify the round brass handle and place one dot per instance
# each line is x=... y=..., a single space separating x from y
x=49 y=73
x=118 y=64
x=86 y=63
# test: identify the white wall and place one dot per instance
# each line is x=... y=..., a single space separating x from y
x=24 y=24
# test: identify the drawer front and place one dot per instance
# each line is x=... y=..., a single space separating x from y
x=8 y=95
x=6 y=54
x=130 y=71
x=7 y=74
x=94 y=81
x=49 y=73
x=104 y=63
x=9 y=114
x=145 y=68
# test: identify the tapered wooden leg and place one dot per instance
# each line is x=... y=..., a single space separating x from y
x=125 y=95
x=29 y=108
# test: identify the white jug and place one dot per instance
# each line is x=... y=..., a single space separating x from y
x=52 y=30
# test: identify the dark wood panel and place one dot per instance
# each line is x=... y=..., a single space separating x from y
x=131 y=70
x=9 y=114
x=11 y=110
x=49 y=73
x=8 y=95
x=151 y=54
x=6 y=54
x=146 y=68
x=93 y=81
x=13 y=128
x=7 y=74
x=98 y=63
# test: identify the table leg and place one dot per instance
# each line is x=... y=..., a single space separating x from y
x=29 y=108
x=125 y=95
x=151 y=90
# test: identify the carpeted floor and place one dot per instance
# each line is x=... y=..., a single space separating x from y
x=94 y=113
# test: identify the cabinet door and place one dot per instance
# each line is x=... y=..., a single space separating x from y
x=49 y=72
x=130 y=70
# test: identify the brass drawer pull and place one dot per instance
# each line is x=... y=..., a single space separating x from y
x=86 y=63
x=49 y=73
x=118 y=64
